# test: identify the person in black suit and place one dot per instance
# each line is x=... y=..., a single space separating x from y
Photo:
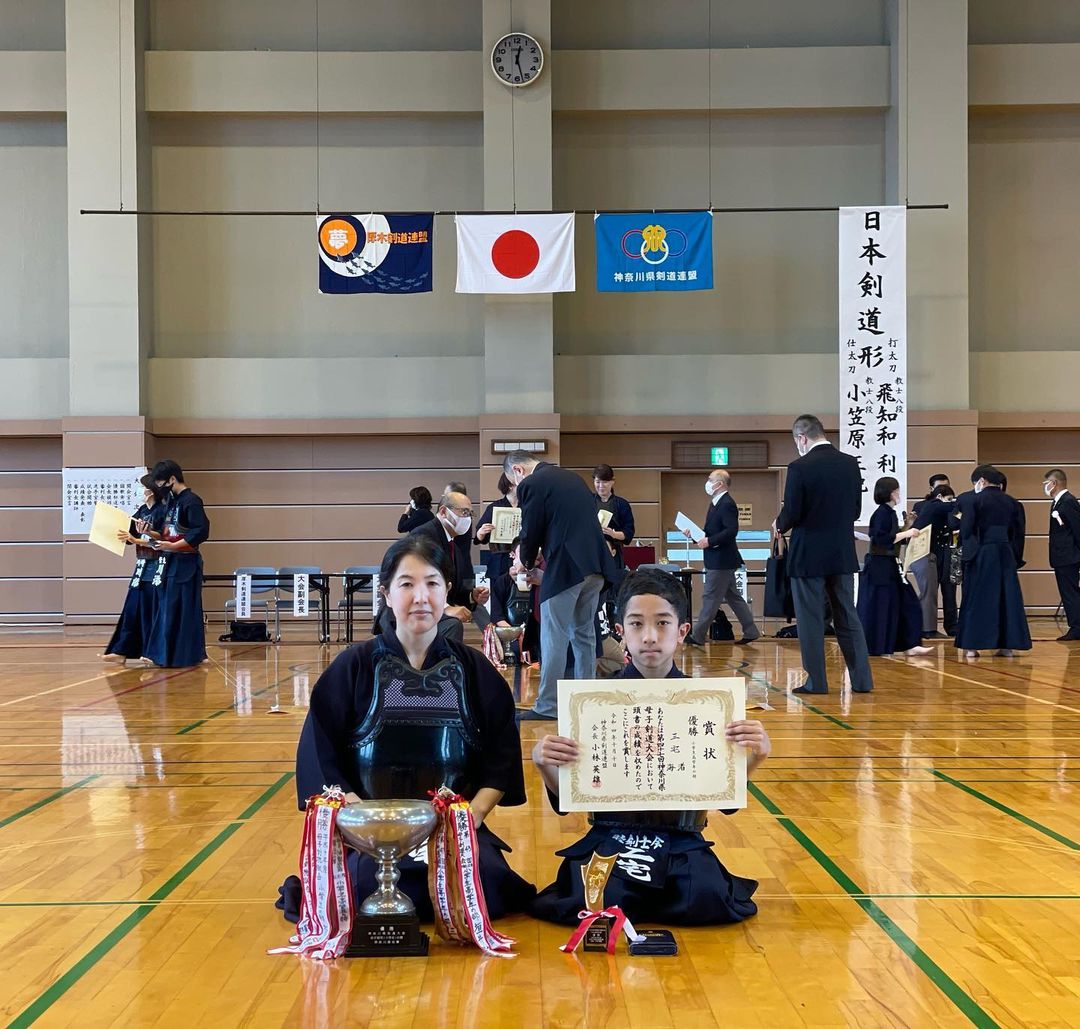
x=822 y=500
x=722 y=558
x=558 y=518
x=1065 y=547
x=418 y=511
x=452 y=521
x=936 y=511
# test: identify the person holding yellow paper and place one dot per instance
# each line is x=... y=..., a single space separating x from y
x=665 y=871
x=888 y=608
x=136 y=621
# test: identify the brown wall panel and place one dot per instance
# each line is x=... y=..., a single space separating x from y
x=29 y=596
x=30 y=489
x=84 y=560
x=942 y=443
x=1025 y=483
x=1039 y=588
x=1046 y=447
x=105 y=449
x=224 y=558
x=104 y=597
x=30 y=525
x=454 y=453
x=31 y=560
x=30 y=453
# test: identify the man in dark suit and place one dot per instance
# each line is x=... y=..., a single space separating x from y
x=822 y=500
x=722 y=558
x=1065 y=547
x=452 y=521
x=558 y=518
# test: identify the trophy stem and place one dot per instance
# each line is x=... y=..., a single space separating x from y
x=388 y=875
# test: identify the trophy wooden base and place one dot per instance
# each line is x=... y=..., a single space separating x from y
x=598 y=934
x=389 y=936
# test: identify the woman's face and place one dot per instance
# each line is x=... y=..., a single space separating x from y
x=511 y=495
x=148 y=497
x=417 y=595
x=894 y=497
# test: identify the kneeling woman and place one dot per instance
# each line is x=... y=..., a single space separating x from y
x=404 y=713
x=890 y=612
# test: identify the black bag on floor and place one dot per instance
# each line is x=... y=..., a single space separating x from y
x=721 y=629
x=779 y=602
x=245 y=632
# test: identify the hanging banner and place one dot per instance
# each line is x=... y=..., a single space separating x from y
x=243 y=596
x=873 y=345
x=642 y=253
x=84 y=487
x=300 y=596
x=515 y=253
x=375 y=253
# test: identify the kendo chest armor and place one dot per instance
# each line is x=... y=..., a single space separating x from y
x=418 y=734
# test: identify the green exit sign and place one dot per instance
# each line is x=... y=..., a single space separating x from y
x=718 y=455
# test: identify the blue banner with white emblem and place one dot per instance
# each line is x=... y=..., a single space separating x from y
x=375 y=253
x=639 y=253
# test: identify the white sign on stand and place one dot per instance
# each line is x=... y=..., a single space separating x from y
x=83 y=488
x=243 y=596
x=300 y=595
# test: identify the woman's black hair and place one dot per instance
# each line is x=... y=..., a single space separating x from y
x=941 y=490
x=655 y=583
x=161 y=493
x=422 y=547
x=883 y=489
x=421 y=497
x=505 y=485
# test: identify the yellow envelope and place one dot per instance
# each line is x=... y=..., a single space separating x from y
x=108 y=521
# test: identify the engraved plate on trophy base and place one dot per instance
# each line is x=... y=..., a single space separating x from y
x=598 y=934
x=387 y=936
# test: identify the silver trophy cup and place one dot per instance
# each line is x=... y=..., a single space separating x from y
x=387 y=830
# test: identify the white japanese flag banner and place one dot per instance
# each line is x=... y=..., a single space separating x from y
x=515 y=253
x=873 y=345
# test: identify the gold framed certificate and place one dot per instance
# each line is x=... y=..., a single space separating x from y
x=652 y=744
x=505 y=524
x=917 y=548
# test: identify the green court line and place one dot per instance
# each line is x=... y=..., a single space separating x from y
x=937 y=975
x=1029 y=822
x=50 y=996
x=45 y=800
x=231 y=707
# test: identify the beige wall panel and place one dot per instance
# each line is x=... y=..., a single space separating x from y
x=1036 y=553
x=330 y=487
x=30 y=525
x=29 y=453
x=346 y=522
x=31 y=561
x=27 y=596
x=433 y=451
x=1039 y=589
x=30 y=489
x=224 y=558
x=1025 y=483
x=1037 y=513
x=83 y=560
x=943 y=443
x=1046 y=447
x=103 y=597
x=104 y=449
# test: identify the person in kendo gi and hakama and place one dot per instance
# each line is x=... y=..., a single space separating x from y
x=398 y=716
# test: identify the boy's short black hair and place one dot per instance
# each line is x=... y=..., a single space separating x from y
x=163 y=471
x=653 y=582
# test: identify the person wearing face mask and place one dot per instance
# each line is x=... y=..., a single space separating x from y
x=1065 y=547
x=888 y=608
x=822 y=501
x=722 y=558
x=992 y=613
x=619 y=530
x=418 y=511
x=178 y=639
x=452 y=520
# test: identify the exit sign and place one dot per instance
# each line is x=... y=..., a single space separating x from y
x=718 y=455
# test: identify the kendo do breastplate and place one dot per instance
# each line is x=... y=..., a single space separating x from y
x=418 y=734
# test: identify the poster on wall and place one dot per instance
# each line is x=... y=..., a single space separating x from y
x=873 y=345
x=83 y=488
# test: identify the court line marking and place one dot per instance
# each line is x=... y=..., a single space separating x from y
x=55 y=689
x=65 y=982
x=991 y=686
x=1005 y=809
x=45 y=800
x=937 y=975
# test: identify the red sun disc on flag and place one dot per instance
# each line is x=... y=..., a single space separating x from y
x=515 y=254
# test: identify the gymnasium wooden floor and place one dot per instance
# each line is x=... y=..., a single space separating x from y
x=918 y=851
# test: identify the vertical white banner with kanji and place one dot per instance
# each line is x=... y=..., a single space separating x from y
x=84 y=487
x=873 y=345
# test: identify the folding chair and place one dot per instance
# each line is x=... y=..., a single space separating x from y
x=258 y=588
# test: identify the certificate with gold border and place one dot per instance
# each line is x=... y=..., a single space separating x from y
x=652 y=744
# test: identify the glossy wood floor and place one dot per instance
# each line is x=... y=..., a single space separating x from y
x=918 y=851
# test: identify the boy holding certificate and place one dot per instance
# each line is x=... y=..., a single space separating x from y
x=666 y=871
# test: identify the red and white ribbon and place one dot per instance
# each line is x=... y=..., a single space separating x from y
x=622 y=924
x=326 y=911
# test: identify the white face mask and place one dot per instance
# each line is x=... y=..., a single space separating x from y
x=458 y=524
x=710 y=487
x=1048 y=489
x=979 y=486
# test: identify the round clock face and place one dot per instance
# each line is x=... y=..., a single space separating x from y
x=517 y=59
